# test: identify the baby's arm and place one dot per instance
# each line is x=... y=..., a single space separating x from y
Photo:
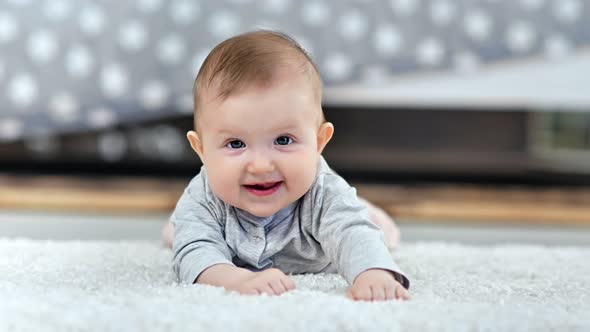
x=243 y=281
x=223 y=275
x=356 y=246
x=377 y=285
x=360 y=255
x=201 y=254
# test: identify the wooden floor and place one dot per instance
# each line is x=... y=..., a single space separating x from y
x=432 y=202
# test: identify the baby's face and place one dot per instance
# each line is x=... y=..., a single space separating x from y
x=260 y=146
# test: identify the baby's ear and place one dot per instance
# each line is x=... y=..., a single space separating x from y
x=325 y=133
x=196 y=143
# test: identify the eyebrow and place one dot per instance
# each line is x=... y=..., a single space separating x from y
x=279 y=129
x=223 y=132
x=286 y=128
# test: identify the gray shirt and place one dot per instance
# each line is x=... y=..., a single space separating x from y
x=326 y=230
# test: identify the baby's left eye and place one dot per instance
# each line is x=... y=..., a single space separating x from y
x=283 y=140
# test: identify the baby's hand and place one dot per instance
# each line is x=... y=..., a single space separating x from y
x=271 y=282
x=377 y=285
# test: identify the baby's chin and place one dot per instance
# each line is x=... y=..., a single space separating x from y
x=262 y=210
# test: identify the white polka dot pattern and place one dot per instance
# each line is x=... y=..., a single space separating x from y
x=442 y=12
x=43 y=145
x=353 y=25
x=79 y=62
x=101 y=117
x=337 y=66
x=315 y=13
x=477 y=25
x=224 y=24
x=154 y=95
x=92 y=20
x=64 y=107
x=23 y=90
x=133 y=35
x=10 y=128
x=168 y=143
x=8 y=27
x=404 y=7
x=57 y=10
x=275 y=6
x=430 y=52
x=76 y=64
x=170 y=50
x=184 y=104
x=568 y=11
x=557 y=46
x=184 y=11
x=114 y=81
x=466 y=62
x=388 y=40
x=520 y=36
x=42 y=46
x=149 y=6
x=112 y=146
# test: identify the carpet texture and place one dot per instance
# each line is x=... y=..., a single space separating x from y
x=129 y=286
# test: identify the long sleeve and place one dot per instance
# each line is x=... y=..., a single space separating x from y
x=352 y=242
x=198 y=240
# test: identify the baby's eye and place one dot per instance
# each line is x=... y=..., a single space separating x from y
x=283 y=140
x=235 y=144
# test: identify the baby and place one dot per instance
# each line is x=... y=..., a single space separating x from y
x=265 y=203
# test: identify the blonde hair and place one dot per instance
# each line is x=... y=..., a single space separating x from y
x=252 y=58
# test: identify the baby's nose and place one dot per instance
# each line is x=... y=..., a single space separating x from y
x=260 y=164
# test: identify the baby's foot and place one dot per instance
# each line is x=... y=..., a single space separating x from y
x=385 y=222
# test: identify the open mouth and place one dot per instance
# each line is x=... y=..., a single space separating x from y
x=263 y=189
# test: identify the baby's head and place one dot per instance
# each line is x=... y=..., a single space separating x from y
x=259 y=124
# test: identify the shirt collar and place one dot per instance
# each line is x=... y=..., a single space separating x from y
x=266 y=221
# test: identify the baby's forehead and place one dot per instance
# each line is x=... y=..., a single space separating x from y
x=260 y=91
x=237 y=113
x=224 y=87
x=288 y=82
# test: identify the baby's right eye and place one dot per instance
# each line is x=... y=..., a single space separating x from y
x=235 y=144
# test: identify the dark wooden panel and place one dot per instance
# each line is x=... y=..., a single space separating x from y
x=421 y=141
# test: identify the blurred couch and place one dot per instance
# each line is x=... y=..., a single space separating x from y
x=414 y=87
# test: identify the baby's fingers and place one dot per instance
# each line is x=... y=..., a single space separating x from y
x=288 y=283
x=360 y=294
x=277 y=287
x=265 y=289
x=378 y=293
x=401 y=293
x=390 y=292
x=250 y=291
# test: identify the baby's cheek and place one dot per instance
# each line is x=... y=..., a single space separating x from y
x=304 y=176
x=309 y=172
x=223 y=185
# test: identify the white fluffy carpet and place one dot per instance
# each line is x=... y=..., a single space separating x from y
x=129 y=286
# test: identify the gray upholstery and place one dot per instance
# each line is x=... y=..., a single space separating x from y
x=72 y=65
